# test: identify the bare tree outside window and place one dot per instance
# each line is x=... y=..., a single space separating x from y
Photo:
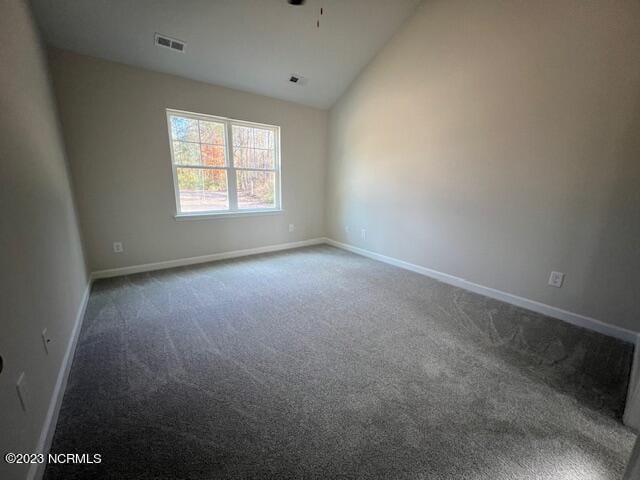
x=223 y=165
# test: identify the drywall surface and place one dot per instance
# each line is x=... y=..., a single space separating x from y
x=114 y=123
x=496 y=142
x=42 y=270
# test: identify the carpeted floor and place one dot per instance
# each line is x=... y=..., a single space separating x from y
x=317 y=363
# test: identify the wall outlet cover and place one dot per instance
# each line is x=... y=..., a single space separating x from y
x=556 y=279
x=118 y=247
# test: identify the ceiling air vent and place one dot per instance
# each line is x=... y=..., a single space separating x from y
x=297 y=79
x=168 y=42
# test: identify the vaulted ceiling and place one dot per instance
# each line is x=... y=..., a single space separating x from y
x=251 y=45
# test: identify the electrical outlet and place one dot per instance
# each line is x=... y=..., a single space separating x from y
x=292 y=227
x=46 y=340
x=21 y=387
x=346 y=228
x=118 y=247
x=363 y=234
x=556 y=279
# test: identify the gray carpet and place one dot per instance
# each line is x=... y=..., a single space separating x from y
x=317 y=363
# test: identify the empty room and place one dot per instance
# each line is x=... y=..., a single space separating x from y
x=320 y=239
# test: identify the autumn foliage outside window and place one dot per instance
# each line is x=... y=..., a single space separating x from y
x=222 y=165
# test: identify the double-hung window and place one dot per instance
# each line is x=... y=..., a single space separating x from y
x=222 y=165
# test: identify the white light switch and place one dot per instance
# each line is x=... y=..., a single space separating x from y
x=556 y=279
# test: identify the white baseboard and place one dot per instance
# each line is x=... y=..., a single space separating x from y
x=555 y=312
x=148 y=267
x=36 y=471
x=631 y=417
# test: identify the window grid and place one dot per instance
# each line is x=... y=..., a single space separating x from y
x=259 y=187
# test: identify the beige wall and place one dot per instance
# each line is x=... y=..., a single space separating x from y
x=497 y=141
x=42 y=271
x=494 y=141
x=115 y=129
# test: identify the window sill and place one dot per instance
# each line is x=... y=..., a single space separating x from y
x=210 y=216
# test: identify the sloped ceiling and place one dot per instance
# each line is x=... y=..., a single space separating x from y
x=251 y=45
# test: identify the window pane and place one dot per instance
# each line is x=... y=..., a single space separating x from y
x=262 y=138
x=184 y=129
x=212 y=155
x=202 y=189
x=242 y=157
x=255 y=189
x=212 y=132
x=202 y=160
x=250 y=158
x=186 y=153
x=241 y=136
x=263 y=159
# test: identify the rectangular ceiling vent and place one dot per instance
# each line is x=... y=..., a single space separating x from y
x=168 y=42
x=296 y=79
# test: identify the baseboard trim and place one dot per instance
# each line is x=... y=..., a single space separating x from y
x=555 y=312
x=631 y=417
x=181 y=262
x=36 y=471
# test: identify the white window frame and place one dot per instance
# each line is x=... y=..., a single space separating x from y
x=231 y=170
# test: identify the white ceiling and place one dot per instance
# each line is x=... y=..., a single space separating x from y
x=251 y=45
